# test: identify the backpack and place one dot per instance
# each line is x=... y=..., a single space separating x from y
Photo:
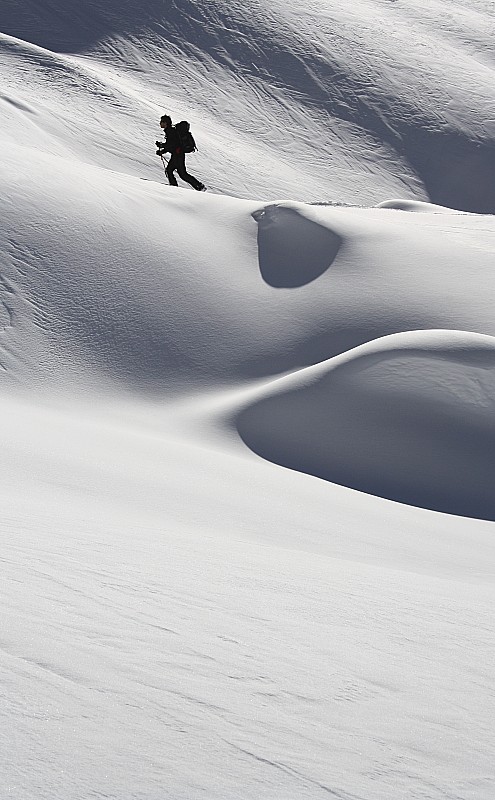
x=187 y=143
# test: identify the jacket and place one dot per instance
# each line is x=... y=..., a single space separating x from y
x=172 y=141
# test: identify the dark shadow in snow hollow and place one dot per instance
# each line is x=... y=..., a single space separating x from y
x=293 y=250
x=394 y=429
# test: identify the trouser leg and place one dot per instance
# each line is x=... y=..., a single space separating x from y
x=184 y=174
x=171 y=167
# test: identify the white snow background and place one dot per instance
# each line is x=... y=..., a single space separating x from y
x=247 y=437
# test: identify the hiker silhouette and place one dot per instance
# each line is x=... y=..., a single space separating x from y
x=177 y=145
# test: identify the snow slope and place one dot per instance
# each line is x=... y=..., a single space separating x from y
x=362 y=101
x=247 y=440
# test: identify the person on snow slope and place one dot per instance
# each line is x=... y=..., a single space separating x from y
x=177 y=161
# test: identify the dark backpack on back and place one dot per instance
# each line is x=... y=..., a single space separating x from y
x=187 y=143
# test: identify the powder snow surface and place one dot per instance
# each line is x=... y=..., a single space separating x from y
x=247 y=437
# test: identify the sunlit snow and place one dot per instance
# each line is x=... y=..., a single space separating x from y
x=247 y=436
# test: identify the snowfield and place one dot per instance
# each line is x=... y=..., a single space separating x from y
x=247 y=437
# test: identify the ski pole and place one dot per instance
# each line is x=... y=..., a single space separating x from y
x=164 y=167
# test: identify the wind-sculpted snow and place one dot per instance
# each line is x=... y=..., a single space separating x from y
x=410 y=418
x=157 y=288
x=359 y=97
x=219 y=417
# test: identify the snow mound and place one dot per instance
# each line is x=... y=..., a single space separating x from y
x=410 y=418
x=109 y=279
x=416 y=206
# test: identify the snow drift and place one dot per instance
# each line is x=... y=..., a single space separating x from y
x=238 y=430
x=185 y=292
x=409 y=418
x=108 y=278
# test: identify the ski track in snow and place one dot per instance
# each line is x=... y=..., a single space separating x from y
x=247 y=436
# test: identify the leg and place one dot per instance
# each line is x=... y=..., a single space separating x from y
x=190 y=179
x=171 y=167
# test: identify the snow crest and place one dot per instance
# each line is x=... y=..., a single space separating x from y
x=409 y=418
